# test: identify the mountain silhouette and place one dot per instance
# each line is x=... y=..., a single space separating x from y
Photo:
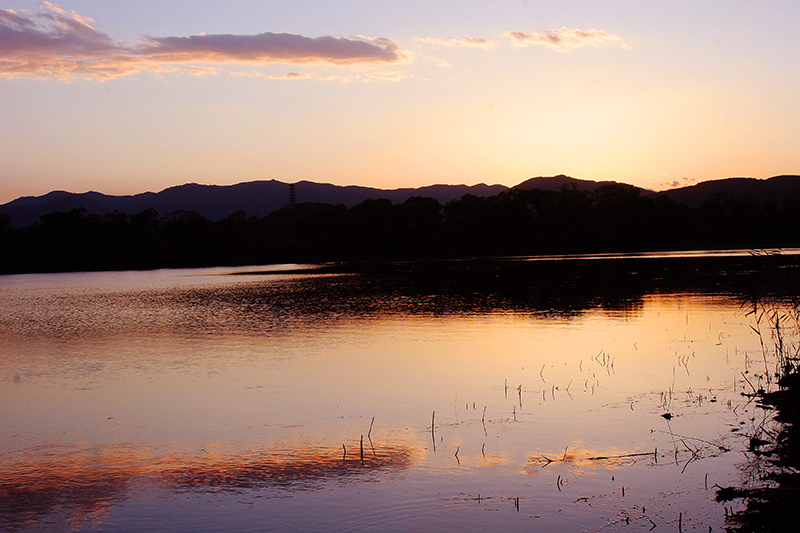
x=775 y=189
x=555 y=183
x=255 y=198
x=260 y=198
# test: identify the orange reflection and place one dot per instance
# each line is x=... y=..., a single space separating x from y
x=582 y=459
x=84 y=483
x=305 y=467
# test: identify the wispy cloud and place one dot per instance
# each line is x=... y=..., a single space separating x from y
x=53 y=42
x=674 y=184
x=291 y=76
x=471 y=42
x=366 y=77
x=565 y=39
x=385 y=75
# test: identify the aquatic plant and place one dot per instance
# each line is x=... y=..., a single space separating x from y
x=774 y=446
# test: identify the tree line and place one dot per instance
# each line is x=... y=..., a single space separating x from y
x=612 y=218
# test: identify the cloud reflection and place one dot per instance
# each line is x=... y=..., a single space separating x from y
x=582 y=459
x=83 y=484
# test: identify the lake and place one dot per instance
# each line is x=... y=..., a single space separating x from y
x=579 y=393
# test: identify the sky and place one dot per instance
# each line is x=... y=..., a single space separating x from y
x=125 y=96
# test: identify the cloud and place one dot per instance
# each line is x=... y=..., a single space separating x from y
x=290 y=76
x=471 y=42
x=55 y=43
x=251 y=74
x=674 y=184
x=271 y=48
x=337 y=78
x=58 y=43
x=384 y=76
x=367 y=77
x=565 y=39
x=200 y=71
x=364 y=77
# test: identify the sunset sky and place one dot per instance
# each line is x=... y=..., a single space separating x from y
x=128 y=96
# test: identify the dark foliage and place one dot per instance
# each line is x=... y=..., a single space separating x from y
x=611 y=218
x=772 y=479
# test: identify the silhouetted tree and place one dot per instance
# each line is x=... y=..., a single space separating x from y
x=614 y=217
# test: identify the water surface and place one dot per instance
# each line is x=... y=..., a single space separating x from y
x=471 y=395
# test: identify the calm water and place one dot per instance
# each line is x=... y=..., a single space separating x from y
x=464 y=395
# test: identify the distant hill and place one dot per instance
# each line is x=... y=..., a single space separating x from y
x=214 y=202
x=776 y=189
x=260 y=198
x=555 y=183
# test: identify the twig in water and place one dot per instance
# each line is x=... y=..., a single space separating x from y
x=362 y=450
x=344 y=452
x=483 y=447
x=456 y=454
x=372 y=446
x=694 y=451
x=748 y=382
x=623 y=456
x=674 y=444
x=558 y=483
x=721 y=448
x=565 y=454
x=433 y=435
x=370 y=427
x=540 y=374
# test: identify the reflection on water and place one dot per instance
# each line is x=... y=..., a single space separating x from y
x=584 y=394
x=84 y=482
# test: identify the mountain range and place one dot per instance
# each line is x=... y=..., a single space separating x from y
x=261 y=198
